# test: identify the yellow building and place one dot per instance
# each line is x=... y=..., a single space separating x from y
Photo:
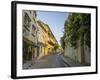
x=49 y=39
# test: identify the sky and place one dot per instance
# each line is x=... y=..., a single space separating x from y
x=55 y=20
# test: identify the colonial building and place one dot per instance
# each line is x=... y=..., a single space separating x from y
x=40 y=41
x=48 y=38
x=29 y=35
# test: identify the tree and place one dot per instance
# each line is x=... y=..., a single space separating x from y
x=62 y=42
x=56 y=47
x=77 y=25
x=77 y=30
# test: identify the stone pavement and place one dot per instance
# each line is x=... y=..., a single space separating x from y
x=52 y=61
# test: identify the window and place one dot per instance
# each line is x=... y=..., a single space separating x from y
x=33 y=29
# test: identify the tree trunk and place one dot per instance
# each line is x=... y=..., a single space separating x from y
x=82 y=49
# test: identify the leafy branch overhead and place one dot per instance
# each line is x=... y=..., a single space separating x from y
x=77 y=27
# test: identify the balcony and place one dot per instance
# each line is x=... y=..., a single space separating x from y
x=51 y=41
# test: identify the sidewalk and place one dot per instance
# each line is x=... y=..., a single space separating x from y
x=27 y=64
x=72 y=63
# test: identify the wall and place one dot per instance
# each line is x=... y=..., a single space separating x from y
x=70 y=52
x=87 y=54
x=76 y=53
x=5 y=41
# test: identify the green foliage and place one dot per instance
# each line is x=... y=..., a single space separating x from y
x=62 y=42
x=56 y=46
x=77 y=27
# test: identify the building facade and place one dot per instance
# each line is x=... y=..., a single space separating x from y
x=49 y=39
x=29 y=35
x=40 y=41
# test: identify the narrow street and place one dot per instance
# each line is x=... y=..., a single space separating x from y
x=50 y=61
x=41 y=40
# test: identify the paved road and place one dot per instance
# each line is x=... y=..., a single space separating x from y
x=50 y=61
